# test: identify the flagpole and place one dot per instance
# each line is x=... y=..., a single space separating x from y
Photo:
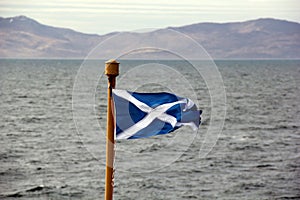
x=112 y=71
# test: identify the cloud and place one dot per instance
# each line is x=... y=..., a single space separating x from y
x=128 y=8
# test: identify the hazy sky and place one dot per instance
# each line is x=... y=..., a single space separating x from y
x=103 y=16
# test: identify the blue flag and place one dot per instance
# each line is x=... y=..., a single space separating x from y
x=141 y=115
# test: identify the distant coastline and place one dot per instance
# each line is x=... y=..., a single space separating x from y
x=261 y=39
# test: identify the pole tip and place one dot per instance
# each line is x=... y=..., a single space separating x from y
x=112 y=61
x=112 y=67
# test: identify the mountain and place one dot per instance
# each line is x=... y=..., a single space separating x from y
x=261 y=38
x=22 y=37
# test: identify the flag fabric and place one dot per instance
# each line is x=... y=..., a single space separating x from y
x=141 y=115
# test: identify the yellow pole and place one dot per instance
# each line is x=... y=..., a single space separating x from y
x=112 y=71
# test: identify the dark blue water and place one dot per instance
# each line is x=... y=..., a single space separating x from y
x=44 y=156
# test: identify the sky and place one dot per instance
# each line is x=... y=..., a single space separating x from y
x=104 y=16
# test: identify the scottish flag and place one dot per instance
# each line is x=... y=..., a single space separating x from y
x=141 y=115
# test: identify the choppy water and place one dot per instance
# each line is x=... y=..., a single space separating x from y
x=42 y=156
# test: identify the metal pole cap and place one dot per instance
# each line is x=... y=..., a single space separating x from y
x=112 y=68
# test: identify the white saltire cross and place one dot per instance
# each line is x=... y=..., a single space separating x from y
x=152 y=113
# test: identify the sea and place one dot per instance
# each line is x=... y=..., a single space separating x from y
x=53 y=119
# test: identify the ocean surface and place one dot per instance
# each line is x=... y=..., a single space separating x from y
x=53 y=146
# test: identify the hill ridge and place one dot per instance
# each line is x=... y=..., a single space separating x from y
x=24 y=37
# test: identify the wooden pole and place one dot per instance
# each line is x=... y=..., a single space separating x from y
x=112 y=71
